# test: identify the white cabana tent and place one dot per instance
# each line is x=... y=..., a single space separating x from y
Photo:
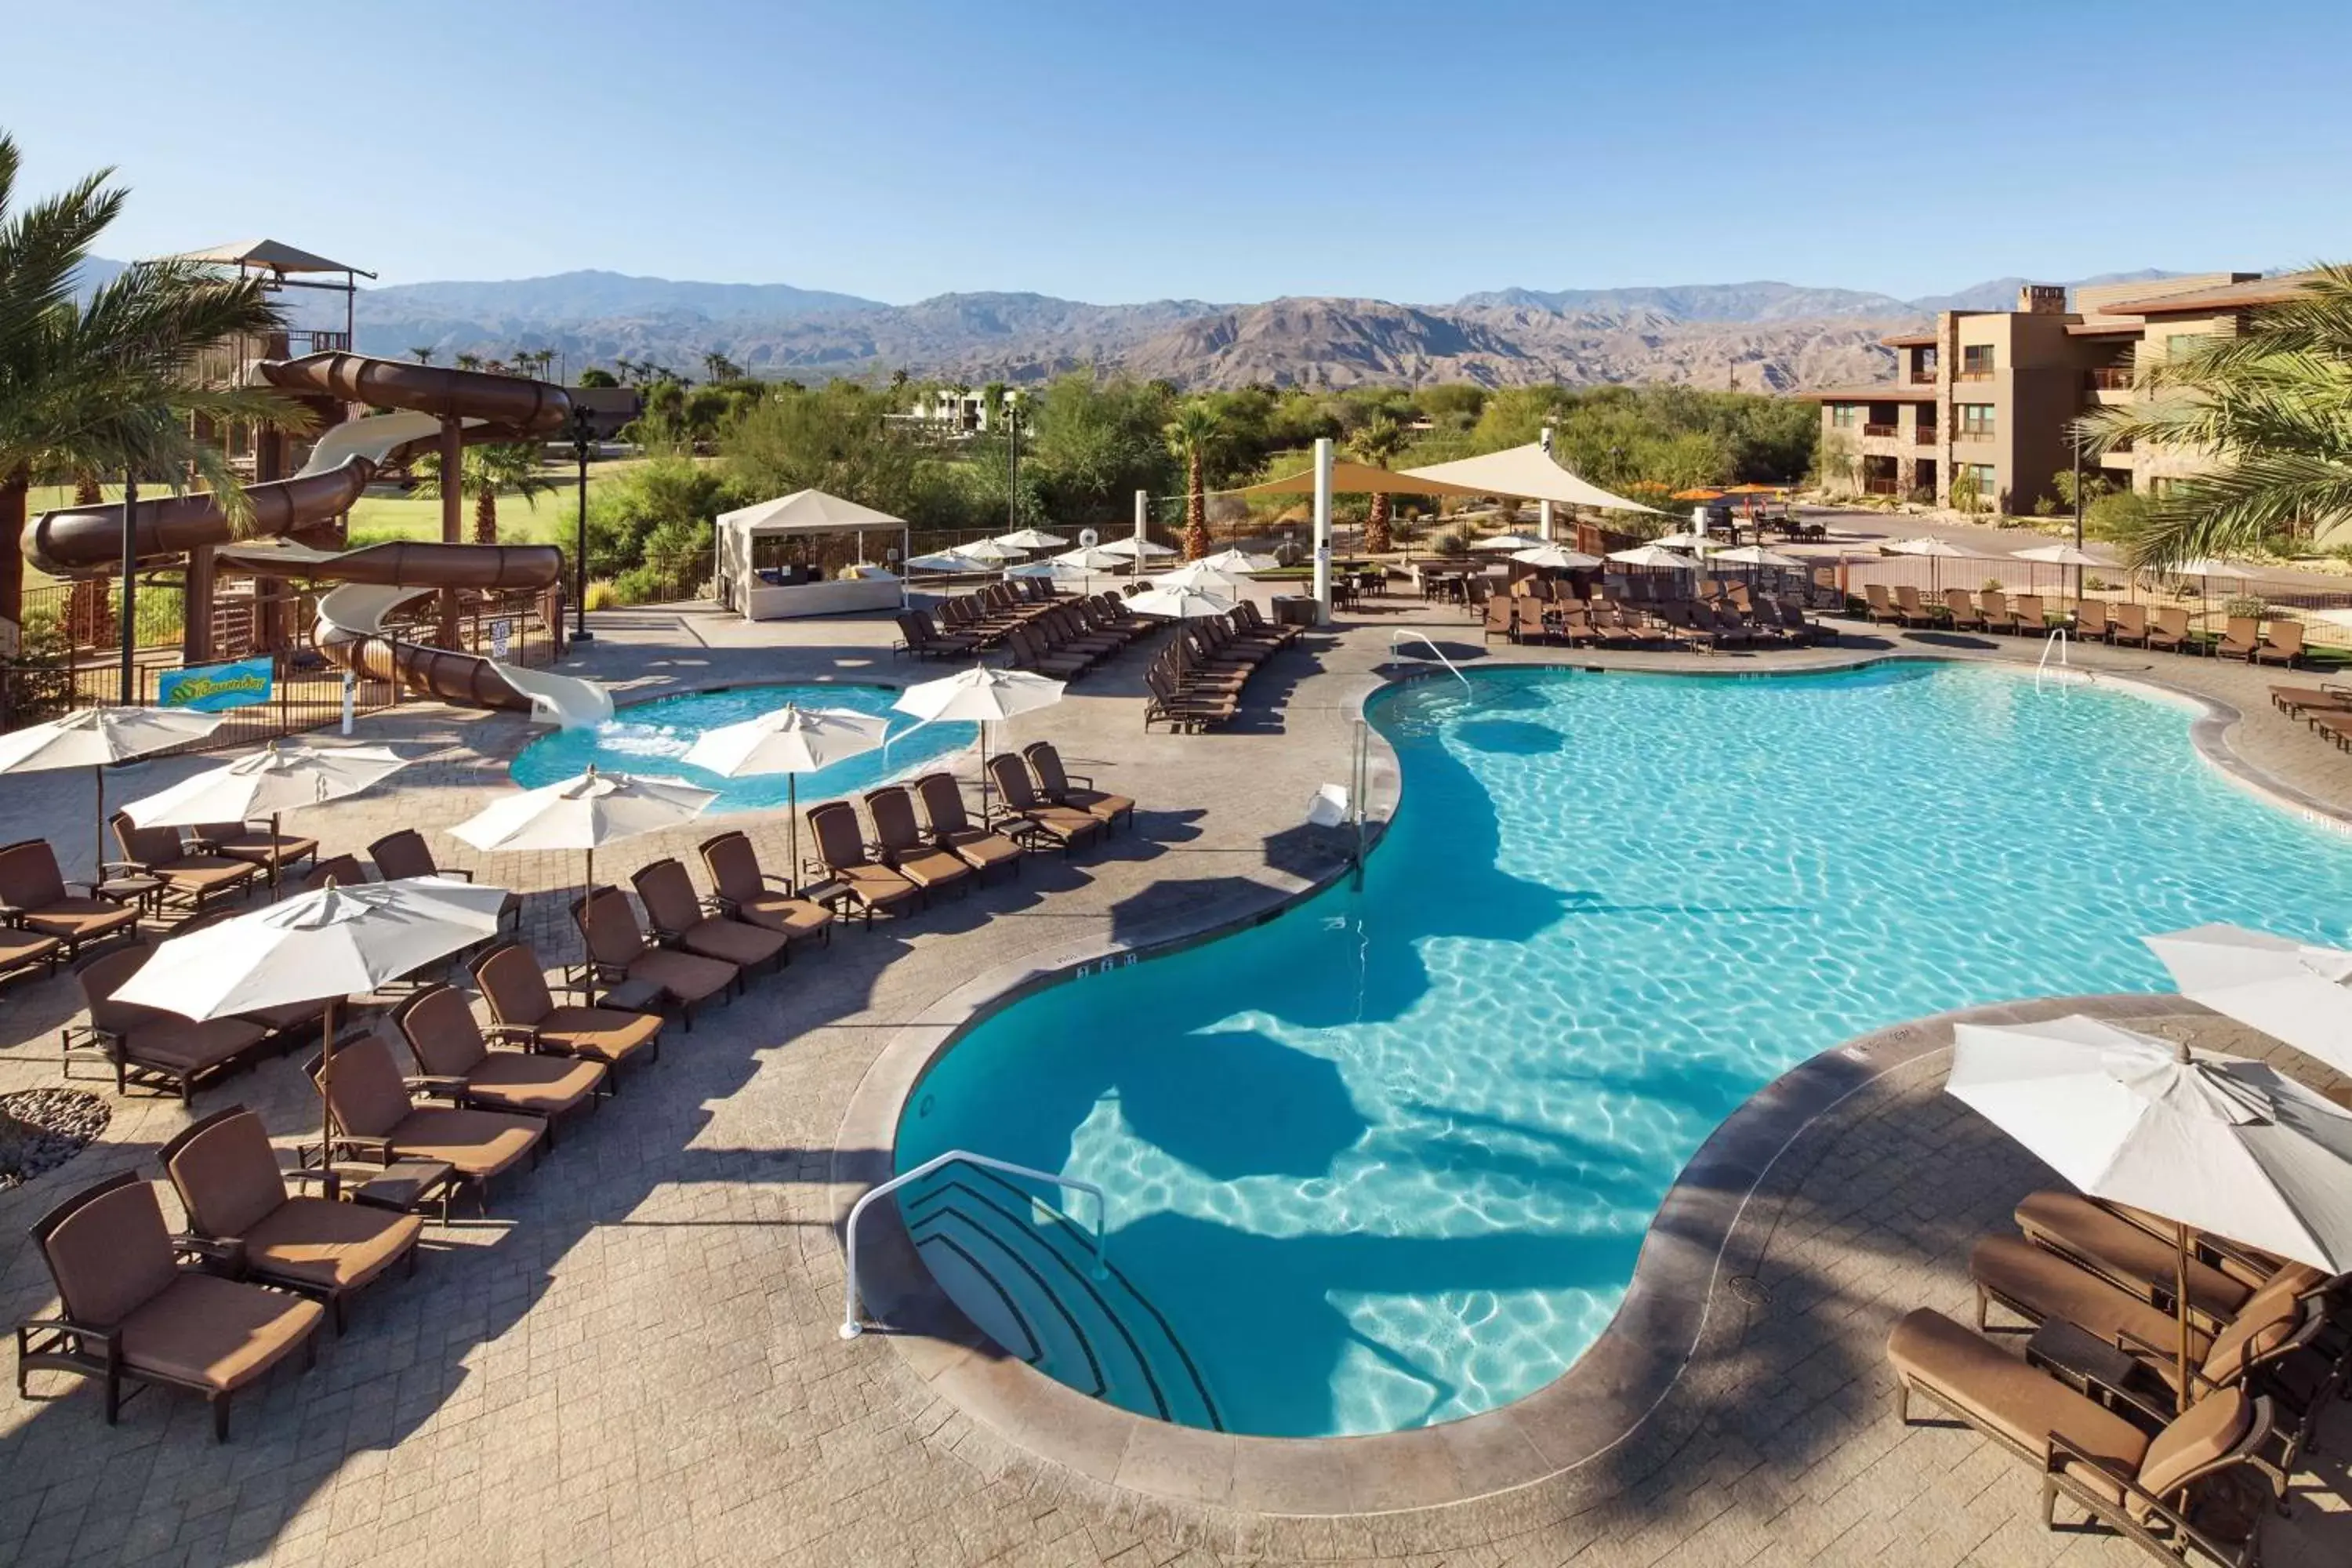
x=1528 y=473
x=768 y=569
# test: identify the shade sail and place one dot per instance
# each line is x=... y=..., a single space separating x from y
x=1529 y=473
x=1363 y=479
x=275 y=255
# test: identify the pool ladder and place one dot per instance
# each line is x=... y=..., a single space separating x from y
x=850 y=1325
x=2066 y=674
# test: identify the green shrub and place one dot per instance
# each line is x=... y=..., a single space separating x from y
x=2250 y=605
x=638 y=586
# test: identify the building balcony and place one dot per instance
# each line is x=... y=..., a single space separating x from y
x=1924 y=377
x=1973 y=376
x=1967 y=435
x=2108 y=378
x=1925 y=436
x=1886 y=430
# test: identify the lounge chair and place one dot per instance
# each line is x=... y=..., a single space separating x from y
x=1167 y=702
x=22 y=951
x=255 y=843
x=1061 y=787
x=1962 y=606
x=741 y=888
x=1253 y=624
x=2170 y=634
x=148 y=1046
x=920 y=636
x=190 y=879
x=404 y=854
x=1527 y=624
x=2295 y=701
x=1064 y=826
x=524 y=1012
x=1877 y=608
x=129 y=1312
x=857 y=878
x=2335 y=727
x=2033 y=615
x=2241 y=635
x=904 y=849
x=2135 y=1484
x=2128 y=625
x=1500 y=620
x=1914 y=611
x=618 y=953
x=2091 y=624
x=375 y=1121
x=38 y=901
x=458 y=1065
x=1999 y=616
x=1030 y=655
x=2281 y=644
x=679 y=921
x=2038 y=1285
x=241 y=1213
x=981 y=848
x=2125 y=1254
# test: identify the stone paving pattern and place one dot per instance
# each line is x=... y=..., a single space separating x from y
x=634 y=1359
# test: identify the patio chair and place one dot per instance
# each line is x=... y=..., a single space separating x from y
x=1913 y=610
x=1060 y=787
x=1998 y=614
x=2295 y=701
x=2128 y=625
x=1166 y=702
x=376 y=1122
x=147 y=1045
x=127 y=1312
x=252 y=842
x=981 y=848
x=241 y=1213
x=1251 y=623
x=2241 y=635
x=619 y=955
x=920 y=636
x=1962 y=608
x=1065 y=827
x=343 y=871
x=2091 y=623
x=1028 y=654
x=857 y=878
x=903 y=848
x=458 y=1066
x=679 y=920
x=2282 y=642
x=189 y=880
x=2140 y=1486
x=1527 y=624
x=37 y=904
x=2170 y=634
x=2126 y=1255
x=1501 y=620
x=743 y=889
x=404 y=854
x=524 y=1012
x=2033 y=615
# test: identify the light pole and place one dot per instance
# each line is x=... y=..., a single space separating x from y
x=130 y=694
x=584 y=439
x=2078 y=516
x=1011 y=407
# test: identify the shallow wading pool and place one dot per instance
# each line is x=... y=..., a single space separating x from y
x=1388 y=1159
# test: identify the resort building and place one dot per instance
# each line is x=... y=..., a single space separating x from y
x=1992 y=394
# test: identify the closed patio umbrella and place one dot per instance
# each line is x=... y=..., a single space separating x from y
x=2213 y=1142
x=982 y=695
x=319 y=946
x=791 y=740
x=92 y=737
x=2289 y=990
x=269 y=783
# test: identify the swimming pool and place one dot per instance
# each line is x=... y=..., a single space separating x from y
x=1387 y=1160
x=651 y=738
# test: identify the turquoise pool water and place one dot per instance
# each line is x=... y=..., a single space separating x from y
x=1387 y=1160
x=651 y=738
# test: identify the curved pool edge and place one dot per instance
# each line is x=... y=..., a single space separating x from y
x=1615 y=1391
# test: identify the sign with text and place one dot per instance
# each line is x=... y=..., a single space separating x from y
x=212 y=688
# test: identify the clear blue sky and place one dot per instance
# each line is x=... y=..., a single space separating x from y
x=1211 y=149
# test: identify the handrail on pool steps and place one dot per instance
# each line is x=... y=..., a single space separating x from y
x=850 y=1327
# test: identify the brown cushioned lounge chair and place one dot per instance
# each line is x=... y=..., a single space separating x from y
x=1877 y=607
x=35 y=899
x=458 y=1065
x=375 y=1119
x=741 y=888
x=618 y=952
x=2281 y=644
x=2128 y=625
x=240 y=1212
x=402 y=855
x=189 y=879
x=524 y=1012
x=678 y=919
x=148 y=1045
x=130 y=1313
x=2126 y=1255
x=856 y=877
x=22 y=951
x=1962 y=606
x=904 y=847
x=2170 y=634
x=2091 y=620
x=2241 y=636
x=255 y=843
x=1064 y=827
x=2140 y=1486
x=1060 y=787
x=981 y=848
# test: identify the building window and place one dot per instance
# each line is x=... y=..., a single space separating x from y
x=1976 y=361
x=1845 y=415
x=1976 y=418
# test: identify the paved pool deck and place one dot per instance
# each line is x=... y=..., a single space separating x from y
x=634 y=1359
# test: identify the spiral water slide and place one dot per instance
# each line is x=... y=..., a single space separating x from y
x=378 y=579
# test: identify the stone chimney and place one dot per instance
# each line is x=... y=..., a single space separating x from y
x=2042 y=299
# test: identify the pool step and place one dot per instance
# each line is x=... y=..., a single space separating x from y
x=1023 y=1273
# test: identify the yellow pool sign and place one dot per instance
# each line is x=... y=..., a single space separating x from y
x=211 y=687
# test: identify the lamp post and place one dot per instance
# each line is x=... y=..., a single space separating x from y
x=583 y=437
x=130 y=694
x=1011 y=407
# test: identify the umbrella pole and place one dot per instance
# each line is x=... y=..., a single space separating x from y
x=326 y=1082
x=792 y=821
x=2180 y=1306
x=97 y=838
x=587 y=913
x=273 y=856
x=983 y=773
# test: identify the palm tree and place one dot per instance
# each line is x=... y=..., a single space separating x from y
x=2271 y=407
x=511 y=466
x=470 y=361
x=423 y=355
x=1189 y=436
x=112 y=383
x=1380 y=439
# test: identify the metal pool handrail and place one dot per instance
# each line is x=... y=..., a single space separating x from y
x=2056 y=641
x=1423 y=639
x=850 y=1327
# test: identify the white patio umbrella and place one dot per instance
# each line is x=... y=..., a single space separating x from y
x=269 y=783
x=1682 y=539
x=1652 y=555
x=994 y=551
x=1051 y=570
x=948 y=560
x=1131 y=548
x=1508 y=541
x=2289 y=990
x=1030 y=539
x=584 y=811
x=1755 y=555
x=1556 y=558
x=1093 y=558
x=1180 y=602
x=1200 y=576
x=319 y=946
x=2213 y=1142
x=1935 y=550
x=791 y=740
x=1237 y=563
x=2207 y=567
x=2059 y=555
x=981 y=695
x=92 y=737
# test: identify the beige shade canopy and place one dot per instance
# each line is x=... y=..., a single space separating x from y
x=274 y=255
x=1525 y=473
x=1363 y=479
